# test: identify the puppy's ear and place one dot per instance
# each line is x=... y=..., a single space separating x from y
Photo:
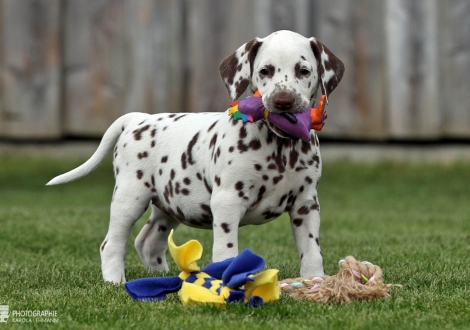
x=237 y=69
x=330 y=68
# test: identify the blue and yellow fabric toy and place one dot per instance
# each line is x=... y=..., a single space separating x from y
x=238 y=279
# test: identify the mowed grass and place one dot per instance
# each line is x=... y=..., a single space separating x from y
x=412 y=220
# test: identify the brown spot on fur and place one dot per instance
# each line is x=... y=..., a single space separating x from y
x=283 y=198
x=304 y=210
x=242 y=133
x=184 y=163
x=226 y=227
x=270 y=215
x=242 y=146
x=255 y=144
x=272 y=166
x=297 y=222
x=212 y=126
x=315 y=206
x=276 y=179
x=141 y=155
x=177 y=187
x=293 y=157
x=138 y=132
x=178 y=118
x=206 y=184
x=261 y=192
x=191 y=145
x=206 y=208
x=213 y=141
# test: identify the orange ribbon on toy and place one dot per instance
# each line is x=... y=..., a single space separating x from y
x=319 y=114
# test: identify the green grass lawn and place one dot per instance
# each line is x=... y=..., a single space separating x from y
x=412 y=220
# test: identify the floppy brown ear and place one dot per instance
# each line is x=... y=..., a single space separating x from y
x=236 y=70
x=330 y=68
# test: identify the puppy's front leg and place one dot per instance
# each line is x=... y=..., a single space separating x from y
x=305 y=221
x=227 y=211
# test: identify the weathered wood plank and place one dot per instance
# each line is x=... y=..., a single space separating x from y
x=455 y=68
x=155 y=56
x=121 y=56
x=31 y=69
x=413 y=75
x=354 y=31
x=94 y=65
x=215 y=29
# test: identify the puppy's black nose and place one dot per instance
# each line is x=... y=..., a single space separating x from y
x=283 y=101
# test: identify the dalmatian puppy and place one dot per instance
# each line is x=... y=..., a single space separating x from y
x=207 y=170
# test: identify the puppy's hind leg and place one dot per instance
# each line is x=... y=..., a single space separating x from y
x=126 y=209
x=152 y=242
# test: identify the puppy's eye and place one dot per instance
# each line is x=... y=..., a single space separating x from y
x=304 y=72
x=264 y=72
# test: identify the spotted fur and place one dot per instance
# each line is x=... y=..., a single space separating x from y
x=208 y=171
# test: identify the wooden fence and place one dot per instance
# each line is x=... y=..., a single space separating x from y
x=71 y=67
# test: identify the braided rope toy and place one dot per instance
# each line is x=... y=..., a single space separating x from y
x=355 y=281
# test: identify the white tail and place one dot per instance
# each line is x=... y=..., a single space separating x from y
x=106 y=146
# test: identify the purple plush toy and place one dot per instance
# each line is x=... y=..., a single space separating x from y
x=297 y=125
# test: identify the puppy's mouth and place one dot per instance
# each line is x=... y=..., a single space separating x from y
x=279 y=132
x=287 y=114
x=290 y=117
x=285 y=124
x=289 y=124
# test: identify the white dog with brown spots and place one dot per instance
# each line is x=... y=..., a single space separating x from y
x=187 y=166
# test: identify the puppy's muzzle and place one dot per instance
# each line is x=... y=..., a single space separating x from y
x=284 y=101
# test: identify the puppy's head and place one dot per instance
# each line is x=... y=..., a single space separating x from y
x=285 y=67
